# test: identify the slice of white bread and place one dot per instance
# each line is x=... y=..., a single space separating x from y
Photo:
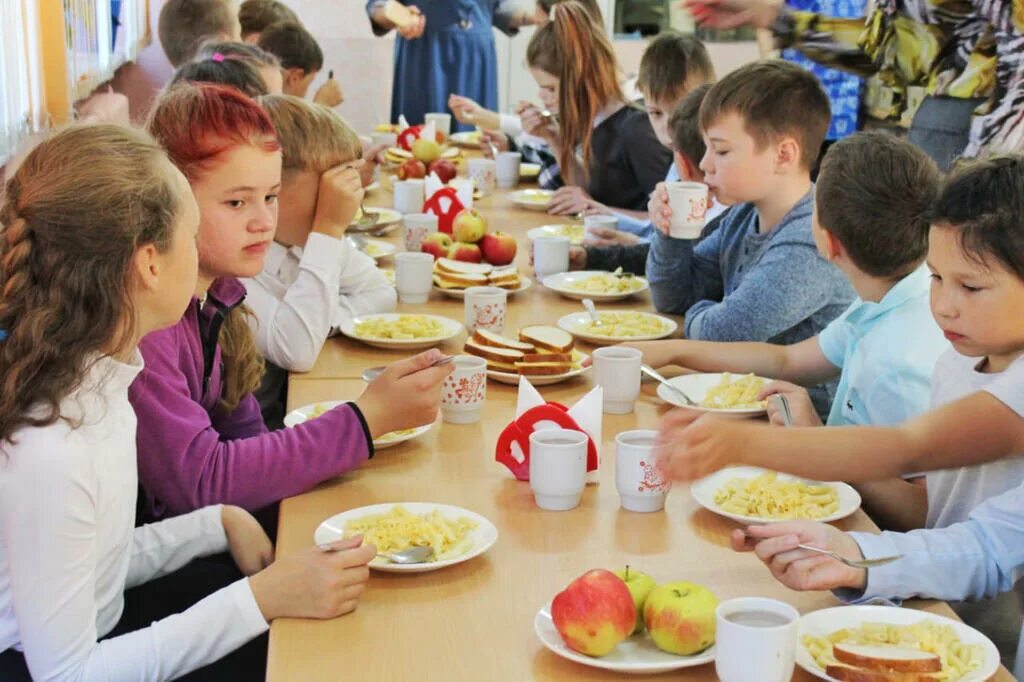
x=486 y=337
x=850 y=674
x=450 y=280
x=547 y=358
x=506 y=280
x=459 y=267
x=887 y=658
x=544 y=368
x=505 y=355
x=548 y=338
x=398 y=153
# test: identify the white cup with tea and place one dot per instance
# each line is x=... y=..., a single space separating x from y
x=442 y=122
x=408 y=195
x=485 y=309
x=641 y=486
x=558 y=468
x=689 y=204
x=550 y=255
x=755 y=640
x=414 y=276
x=483 y=173
x=507 y=169
x=595 y=225
x=384 y=139
x=417 y=227
x=617 y=372
x=464 y=391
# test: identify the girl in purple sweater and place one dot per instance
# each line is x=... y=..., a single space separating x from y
x=201 y=437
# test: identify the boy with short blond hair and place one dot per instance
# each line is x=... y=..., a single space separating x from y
x=184 y=24
x=759 y=276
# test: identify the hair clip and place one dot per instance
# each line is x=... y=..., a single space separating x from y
x=217 y=57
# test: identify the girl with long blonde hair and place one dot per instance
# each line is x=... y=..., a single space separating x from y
x=201 y=438
x=606 y=148
x=98 y=249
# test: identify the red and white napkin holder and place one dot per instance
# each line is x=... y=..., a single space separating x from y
x=533 y=413
x=446 y=202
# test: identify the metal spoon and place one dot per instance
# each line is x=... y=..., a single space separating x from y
x=367 y=219
x=413 y=555
x=371 y=373
x=548 y=114
x=854 y=563
x=649 y=371
x=589 y=305
x=782 y=405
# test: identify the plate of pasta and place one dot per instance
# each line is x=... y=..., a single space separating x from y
x=755 y=495
x=597 y=285
x=846 y=640
x=616 y=327
x=401 y=331
x=725 y=394
x=456 y=534
x=306 y=412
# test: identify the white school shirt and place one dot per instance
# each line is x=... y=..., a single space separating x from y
x=69 y=549
x=304 y=295
x=953 y=493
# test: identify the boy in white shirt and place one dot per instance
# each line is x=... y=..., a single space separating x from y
x=314 y=280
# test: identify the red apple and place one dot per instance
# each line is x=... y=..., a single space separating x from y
x=437 y=245
x=594 y=613
x=467 y=253
x=444 y=168
x=499 y=248
x=411 y=169
x=469 y=226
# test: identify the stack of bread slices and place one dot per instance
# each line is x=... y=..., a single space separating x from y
x=864 y=663
x=540 y=351
x=455 y=274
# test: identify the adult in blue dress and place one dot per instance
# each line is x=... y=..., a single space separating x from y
x=450 y=49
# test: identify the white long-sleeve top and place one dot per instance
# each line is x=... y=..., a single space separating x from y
x=305 y=294
x=69 y=549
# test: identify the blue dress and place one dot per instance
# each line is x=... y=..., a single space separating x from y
x=455 y=54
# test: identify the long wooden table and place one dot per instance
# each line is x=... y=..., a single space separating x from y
x=474 y=621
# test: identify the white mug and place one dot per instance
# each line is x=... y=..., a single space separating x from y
x=617 y=372
x=414 y=276
x=689 y=203
x=418 y=226
x=641 y=486
x=507 y=169
x=485 y=309
x=385 y=139
x=599 y=222
x=755 y=640
x=482 y=173
x=550 y=255
x=408 y=195
x=558 y=468
x=464 y=390
x=442 y=122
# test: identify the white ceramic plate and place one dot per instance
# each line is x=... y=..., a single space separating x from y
x=696 y=386
x=827 y=621
x=388 y=218
x=532 y=199
x=704 y=492
x=637 y=655
x=563 y=281
x=575 y=324
x=529 y=171
x=469 y=138
x=524 y=284
x=450 y=329
x=304 y=413
x=574 y=231
x=512 y=378
x=377 y=248
x=480 y=538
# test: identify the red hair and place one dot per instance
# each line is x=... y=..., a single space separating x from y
x=198 y=122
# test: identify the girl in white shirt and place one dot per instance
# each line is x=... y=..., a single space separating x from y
x=314 y=280
x=99 y=249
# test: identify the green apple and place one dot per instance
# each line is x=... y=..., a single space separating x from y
x=680 y=617
x=594 y=613
x=640 y=585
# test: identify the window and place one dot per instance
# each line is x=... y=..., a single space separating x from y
x=101 y=36
x=21 y=93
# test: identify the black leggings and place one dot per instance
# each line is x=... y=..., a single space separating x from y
x=164 y=597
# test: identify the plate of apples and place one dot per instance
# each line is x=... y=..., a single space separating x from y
x=624 y=621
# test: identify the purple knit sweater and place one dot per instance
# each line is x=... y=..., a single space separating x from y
x=192 y=453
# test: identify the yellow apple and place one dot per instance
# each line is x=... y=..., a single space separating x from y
x=680 y=617
x=426 y=150
x=640 y=585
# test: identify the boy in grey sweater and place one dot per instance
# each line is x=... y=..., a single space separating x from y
x=758 y=277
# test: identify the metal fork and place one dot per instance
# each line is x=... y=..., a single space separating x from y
x=651 y=372
x=854 y=563
x=782 y=405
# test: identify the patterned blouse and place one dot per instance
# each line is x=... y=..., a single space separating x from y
x=957 y=48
